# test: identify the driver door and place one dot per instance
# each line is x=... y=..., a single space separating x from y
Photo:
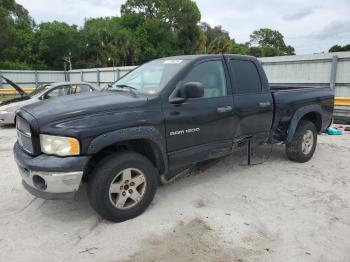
x=201 y=128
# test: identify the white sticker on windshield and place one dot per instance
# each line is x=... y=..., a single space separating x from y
x=173 y=61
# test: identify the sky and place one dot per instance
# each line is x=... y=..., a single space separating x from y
x=310 y=26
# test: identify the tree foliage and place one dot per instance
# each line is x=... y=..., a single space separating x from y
x=146 y=29
x=220 y=45
x=54 y=41
x=15 y=34
x=338 y=48
x=267 y=42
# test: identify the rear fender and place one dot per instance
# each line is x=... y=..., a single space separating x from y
x=298 y=115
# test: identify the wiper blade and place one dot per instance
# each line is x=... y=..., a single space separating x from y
x=130 y=88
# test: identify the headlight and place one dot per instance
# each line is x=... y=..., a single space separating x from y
x=58 y=145
x=6 y=108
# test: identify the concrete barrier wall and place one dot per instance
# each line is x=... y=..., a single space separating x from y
x=329 y=69
x=311 y=70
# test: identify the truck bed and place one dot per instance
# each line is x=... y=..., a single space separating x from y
x=289 y=99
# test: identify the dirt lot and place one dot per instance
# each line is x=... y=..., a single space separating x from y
x=275 y=211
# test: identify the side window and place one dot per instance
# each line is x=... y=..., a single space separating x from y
x=77 y=89
x=59 y=91
x=212 y=76
x=247 y=78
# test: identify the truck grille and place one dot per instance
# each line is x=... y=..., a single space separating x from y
x=24 y=135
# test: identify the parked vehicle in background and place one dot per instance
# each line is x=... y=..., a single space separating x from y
x=43 y=92
x=165 y=115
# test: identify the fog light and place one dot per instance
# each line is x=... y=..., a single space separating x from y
x=39 y=182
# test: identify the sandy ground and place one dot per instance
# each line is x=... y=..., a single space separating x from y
x=224 y=211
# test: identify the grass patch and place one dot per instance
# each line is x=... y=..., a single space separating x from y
x=4 y=98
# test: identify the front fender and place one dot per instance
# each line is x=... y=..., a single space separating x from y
x=144 y=132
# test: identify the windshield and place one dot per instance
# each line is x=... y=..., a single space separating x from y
x=149 y=78
x=38 y=91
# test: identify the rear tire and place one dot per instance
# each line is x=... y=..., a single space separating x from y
x=303 y=144
x=122 y=186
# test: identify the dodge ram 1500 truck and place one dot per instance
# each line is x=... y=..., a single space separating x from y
x=165 y=115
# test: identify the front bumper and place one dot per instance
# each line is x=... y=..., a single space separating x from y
x=50 y=177
x=7 y=117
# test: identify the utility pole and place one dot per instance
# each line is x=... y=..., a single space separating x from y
x=111 y=59
x=69 y=61
x=65 y=70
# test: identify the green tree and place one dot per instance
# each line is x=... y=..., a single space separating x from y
x=16 y=35
x=220 y=45
x=55 y=41
x=214 y=32
x=146 y=29
x=255 y=51
x=338 y=48
x=201 y=47
x=271 y=43
x=179 y=18
x=155 y=40
x=217 y=34
x=108 y=38
x=241 y=49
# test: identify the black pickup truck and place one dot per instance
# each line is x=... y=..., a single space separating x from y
x=165 y=115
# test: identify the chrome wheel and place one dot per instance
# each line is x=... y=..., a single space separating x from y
x=308 y=142
x=127 y=188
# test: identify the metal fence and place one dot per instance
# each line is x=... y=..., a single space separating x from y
x=99 y=76
x=32 y=79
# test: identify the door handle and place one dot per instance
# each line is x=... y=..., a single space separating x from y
x=264 y=104
x=224 y=109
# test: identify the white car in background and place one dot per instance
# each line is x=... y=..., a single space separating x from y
x=47 y=91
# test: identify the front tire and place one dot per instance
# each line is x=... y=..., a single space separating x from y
x=122 y=186
x=303 y=144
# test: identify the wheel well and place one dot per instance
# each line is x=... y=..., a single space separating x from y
x=315 y=118
x=142 y=146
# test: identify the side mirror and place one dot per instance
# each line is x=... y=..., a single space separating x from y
x=191 y=90
x=186 y=91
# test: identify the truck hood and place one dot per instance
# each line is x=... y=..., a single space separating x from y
x=49 y=111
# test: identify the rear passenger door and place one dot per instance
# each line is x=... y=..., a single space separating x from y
x=252 y=104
